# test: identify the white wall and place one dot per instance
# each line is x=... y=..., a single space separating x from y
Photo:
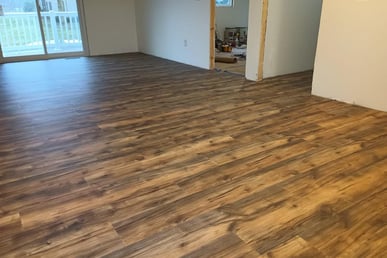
x=291 y=39
x=253 y=39
x=236 y=16
x=163 y=27
x=351 y=61
x=111 y=26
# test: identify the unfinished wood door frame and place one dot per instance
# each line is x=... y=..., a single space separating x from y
x=212 y=34
x=265 y=8
x=265 y=11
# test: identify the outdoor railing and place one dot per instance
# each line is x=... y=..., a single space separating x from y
x=22 y=30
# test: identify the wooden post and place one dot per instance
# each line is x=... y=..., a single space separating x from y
x=265 y=8
x=212 y=34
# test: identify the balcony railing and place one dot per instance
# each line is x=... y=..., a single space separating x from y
x=20 y=32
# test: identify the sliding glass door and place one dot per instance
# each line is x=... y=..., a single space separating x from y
x=39 y=28
x=61 y=26
x=20 y=33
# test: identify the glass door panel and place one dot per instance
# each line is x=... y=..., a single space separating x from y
x=20 y=33
x=39 y=28
x=61 y=26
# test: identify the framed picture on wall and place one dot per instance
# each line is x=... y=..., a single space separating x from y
x=226 y=3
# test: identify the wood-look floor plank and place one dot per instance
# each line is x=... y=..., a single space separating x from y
x=136 y=156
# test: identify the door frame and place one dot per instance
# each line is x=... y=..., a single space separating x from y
x=46 y=56
x=262 y=45
x=212 y=33
x=1 y=55
x=256 y=66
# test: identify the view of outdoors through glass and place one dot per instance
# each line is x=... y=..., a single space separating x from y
x=22 y=34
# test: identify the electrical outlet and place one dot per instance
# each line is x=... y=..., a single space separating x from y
x=185 y=43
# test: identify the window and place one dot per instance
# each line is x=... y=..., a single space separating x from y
x=228 y=3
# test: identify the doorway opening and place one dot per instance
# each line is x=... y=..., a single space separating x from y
x=231 y=32
x=38 y=29
x=282 y=37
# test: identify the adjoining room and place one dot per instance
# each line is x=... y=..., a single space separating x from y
x=231 y=35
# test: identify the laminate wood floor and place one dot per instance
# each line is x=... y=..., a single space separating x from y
x=135 y=156
x=237 y=68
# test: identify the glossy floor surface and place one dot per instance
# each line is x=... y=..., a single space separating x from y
x=135 y=156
